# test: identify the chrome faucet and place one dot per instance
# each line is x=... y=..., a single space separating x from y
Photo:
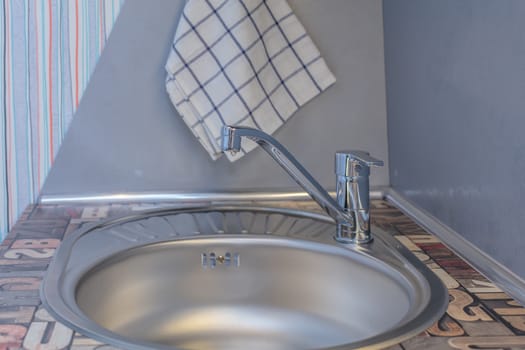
x=352 y=169
x=350 y=211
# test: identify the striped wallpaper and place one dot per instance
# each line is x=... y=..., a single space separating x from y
x=48 y=48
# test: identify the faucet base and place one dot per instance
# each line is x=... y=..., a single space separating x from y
x=345 y=240
x=346 y=235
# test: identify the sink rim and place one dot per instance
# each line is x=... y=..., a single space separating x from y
x=71 y=315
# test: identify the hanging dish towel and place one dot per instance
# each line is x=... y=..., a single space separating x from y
x=241 y=62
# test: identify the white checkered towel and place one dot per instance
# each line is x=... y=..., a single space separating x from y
x=241 y=62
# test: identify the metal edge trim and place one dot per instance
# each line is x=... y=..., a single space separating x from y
x=496 y=272
x=375 y=193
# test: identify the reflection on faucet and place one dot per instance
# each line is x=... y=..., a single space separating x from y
x=344 y=217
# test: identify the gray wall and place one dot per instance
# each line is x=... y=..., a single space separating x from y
x=455 y=74
x=126 y=137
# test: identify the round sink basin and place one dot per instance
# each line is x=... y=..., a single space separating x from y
x=230 y=289
x=269 y=293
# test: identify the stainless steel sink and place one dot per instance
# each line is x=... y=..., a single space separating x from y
x=238 y=278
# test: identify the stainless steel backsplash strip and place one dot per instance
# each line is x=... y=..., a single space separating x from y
x=187 y=197
x=504 y=278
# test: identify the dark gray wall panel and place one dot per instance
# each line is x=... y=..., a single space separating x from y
x=455 y=73
x=126 y=136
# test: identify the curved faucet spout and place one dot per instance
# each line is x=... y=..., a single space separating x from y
x=231 y=141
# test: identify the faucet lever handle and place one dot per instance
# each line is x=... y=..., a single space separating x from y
x=346 y=160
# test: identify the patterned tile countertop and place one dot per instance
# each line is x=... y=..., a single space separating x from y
x=479 y=316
